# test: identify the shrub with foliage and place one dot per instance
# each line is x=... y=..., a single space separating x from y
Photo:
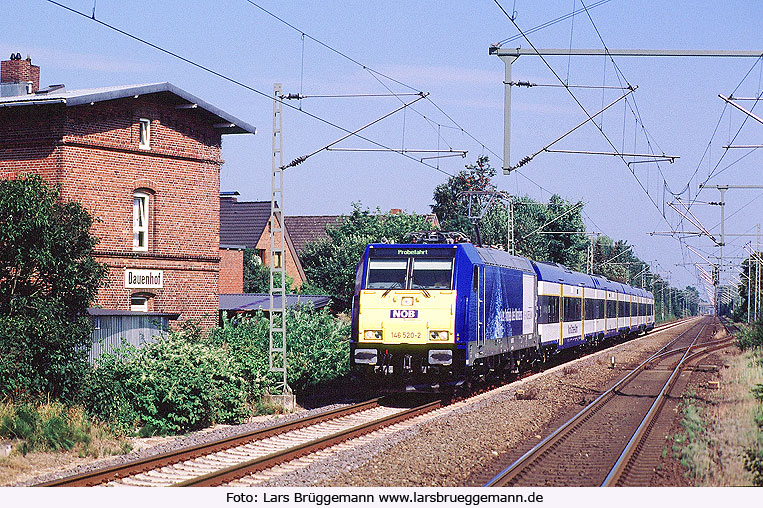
x=317 y=349
x=48 y=276
x=186 y=381
x=178 y=384
x=245 y=341
x=751 y=336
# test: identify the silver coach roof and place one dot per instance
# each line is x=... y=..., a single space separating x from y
x=227 y=123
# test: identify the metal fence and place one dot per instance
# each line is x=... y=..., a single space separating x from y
x=110 y=332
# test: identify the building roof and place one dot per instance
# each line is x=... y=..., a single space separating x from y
x=97 y=311
x=242 y=223
x=228 y=124
x=304 y=229
x=260 y=301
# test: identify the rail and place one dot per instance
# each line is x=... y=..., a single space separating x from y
x=505 y=476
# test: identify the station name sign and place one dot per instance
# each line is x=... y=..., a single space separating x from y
x=143 y=278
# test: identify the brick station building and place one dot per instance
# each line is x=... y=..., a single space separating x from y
x=145 y=161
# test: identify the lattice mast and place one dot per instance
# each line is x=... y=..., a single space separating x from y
x=277 y=336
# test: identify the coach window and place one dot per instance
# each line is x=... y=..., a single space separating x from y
x=572 y=308
x=145 y=134
x=140 y=215
x=611 y=308
x=549 y=309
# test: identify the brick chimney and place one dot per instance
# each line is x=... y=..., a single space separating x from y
x=17 y=70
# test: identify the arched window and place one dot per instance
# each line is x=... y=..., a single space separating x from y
x=140 y=216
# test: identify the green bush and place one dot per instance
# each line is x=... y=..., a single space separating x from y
x=751 y=336
x=318 y=349
x=187 y=381
x=178 y=384
x=246 y=343
x=753 y=462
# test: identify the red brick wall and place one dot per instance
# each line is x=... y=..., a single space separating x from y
x=231 y=271
x=292 y=271
x=93 y=153
x=16 y=71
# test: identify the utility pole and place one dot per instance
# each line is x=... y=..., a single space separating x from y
x=277 y=333
x=722 y=189
x=510 y=55
x=510 y=246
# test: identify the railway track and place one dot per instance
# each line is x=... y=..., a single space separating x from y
x=221 y=462
x=608 y=442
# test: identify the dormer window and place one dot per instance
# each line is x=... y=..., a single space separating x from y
x=145 y=134
x=140 y=221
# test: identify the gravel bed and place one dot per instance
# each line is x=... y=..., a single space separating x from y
x=145 y=448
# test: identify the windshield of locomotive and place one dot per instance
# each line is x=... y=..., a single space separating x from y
x=387 y=273
x=431 y=274
x=410 y=273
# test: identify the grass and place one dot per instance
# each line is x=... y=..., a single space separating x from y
x=54 y=427
x=717 y=432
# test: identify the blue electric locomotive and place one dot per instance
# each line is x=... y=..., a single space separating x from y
x=429 y=315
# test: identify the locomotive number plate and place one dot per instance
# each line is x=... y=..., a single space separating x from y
x=406 y=335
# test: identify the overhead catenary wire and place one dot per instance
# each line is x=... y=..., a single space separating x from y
x=374 y=73
x=549 y=23
x=577 y=101
x=635 y=112
x=237 y=82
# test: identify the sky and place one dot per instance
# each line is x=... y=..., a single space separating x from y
x=357 y=47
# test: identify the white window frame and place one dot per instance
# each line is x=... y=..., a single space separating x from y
x=138 y=307
x=140 y=219
x=144 y=135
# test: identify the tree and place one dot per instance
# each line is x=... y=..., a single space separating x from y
x=530 y=217
x=451 y=206
x=48 y=277
x=330 y=264
x=257 y=275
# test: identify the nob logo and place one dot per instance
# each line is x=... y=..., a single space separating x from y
x=404 y=313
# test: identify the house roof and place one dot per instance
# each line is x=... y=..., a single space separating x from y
x=259 y=301
x=304 y=229
x=228 y=124
x=242 y=223
x=97 y=311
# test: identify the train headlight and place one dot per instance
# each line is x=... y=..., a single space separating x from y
x=439 y=335
x=407 y=300
x=373 y=335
